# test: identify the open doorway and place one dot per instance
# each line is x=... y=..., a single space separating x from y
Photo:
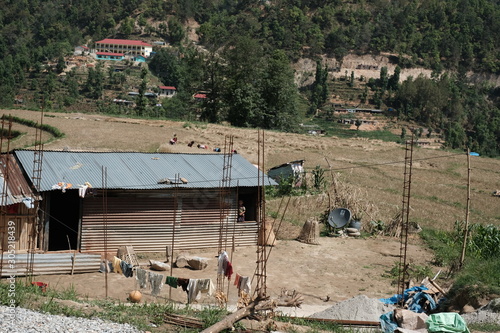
x=250 y=206
x=63 y=220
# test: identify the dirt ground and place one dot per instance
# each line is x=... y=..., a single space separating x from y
x=337 y=269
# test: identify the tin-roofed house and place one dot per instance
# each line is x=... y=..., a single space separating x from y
x=293 y=170
x=99 y=201
x=17 y=202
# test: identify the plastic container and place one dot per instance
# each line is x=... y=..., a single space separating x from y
x=355 y=224
x=41 y=285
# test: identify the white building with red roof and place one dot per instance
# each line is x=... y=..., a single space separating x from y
x=167 y=91
x=125 y=46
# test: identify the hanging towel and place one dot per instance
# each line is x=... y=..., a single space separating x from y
x=183 y=283
x=229 y=270
x=141 y=276
x=127 y=269
x=245 y=284
x=155 y=282
x=193 y=290
x=117 y=265
x=172 y=281
x=206 y=286
x=237 y=280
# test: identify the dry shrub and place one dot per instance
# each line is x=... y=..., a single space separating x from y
x=355 y=199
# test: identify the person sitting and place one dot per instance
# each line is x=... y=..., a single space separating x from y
x=173 y=141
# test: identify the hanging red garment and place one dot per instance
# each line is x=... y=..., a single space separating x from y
x=229 y=270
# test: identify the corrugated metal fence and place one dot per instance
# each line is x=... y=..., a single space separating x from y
x=51 y=263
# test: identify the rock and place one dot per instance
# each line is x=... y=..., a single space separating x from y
x=158 y=265
x=197 y=263
x=354 y=234
x=351 y=230
x=494 y=305
x=467 y=309
x=181 y=261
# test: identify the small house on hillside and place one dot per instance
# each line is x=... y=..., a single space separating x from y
x=167 y=91
x=200 y=97
x=81 y=49
x=293 y=169
x=99 y=201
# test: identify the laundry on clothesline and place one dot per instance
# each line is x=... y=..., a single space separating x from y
x=141 y=276
x=171 y=281
x=117 y=262
x=155 y=282
x=127 y=269
x=224 y=266
x=183 y=283
x=245 y=284
x=198 y=286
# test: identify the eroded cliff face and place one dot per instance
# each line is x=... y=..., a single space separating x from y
x=369 y=66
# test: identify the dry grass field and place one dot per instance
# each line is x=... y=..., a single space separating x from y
x=373 y=170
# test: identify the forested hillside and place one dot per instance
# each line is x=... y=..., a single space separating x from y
x=243 y=55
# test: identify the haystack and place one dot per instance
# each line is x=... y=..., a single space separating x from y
x=310 y=232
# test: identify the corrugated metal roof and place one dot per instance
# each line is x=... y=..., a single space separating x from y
x=16 y=188
x=134 y=170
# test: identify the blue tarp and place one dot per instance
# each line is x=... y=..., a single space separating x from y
x=388 y=323
x=397 y=297
x=417 y=299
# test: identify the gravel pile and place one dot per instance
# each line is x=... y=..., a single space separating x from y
x=27 y=321
x=359 y=308
x=489 y=313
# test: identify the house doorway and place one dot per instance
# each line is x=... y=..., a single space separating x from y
x=250 y=206
x=63 y=220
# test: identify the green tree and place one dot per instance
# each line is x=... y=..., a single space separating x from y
x=127 y=27
x=141 y=102
x=279 y=94
x=357 y=123
x=176 y=31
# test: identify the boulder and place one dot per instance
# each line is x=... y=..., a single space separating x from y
x=181 y=261
x=197 y=263
x=158 y=265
